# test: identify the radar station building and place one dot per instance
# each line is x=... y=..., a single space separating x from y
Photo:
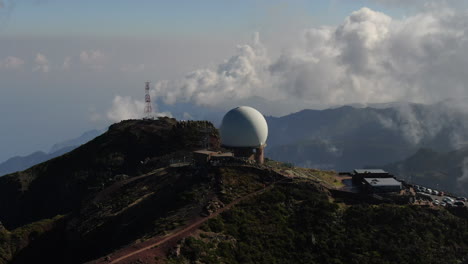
x=205 y=156
x=244 y=131
x=381 y=185
x=359 y=174
x=376 y=181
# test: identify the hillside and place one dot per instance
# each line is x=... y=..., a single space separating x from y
x=60 y=185
x=124 y=197
x=439 y=170
x=19 y=163
x=348 y=137
x=296 y=223
x=78 y=141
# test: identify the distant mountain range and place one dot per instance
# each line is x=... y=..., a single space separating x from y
x=424 y=144
x=346 y=138
x=20 y=163
x=75 y=142
x=350 y=137
x=120 y=199
x=439 y=170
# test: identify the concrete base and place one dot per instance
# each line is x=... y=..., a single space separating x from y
x=243 y=153
x=248 y=153
x=260 y=155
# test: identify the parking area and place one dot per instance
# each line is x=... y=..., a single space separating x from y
x=439 y=198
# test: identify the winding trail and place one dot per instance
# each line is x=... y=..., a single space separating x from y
x=186 y=231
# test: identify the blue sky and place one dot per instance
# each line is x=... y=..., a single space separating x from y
x=145 y=17
x=69 y=66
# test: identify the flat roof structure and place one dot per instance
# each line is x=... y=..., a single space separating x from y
x=205 y=152
x=204 y=156
x=213 y=153
x=359 y=174
x=381 y=182
x=374 y=171
x=223 y=154
x=381 y=185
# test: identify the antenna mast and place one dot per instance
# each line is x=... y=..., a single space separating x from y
x=148 y=107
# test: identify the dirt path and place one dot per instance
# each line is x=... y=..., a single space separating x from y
x=112 y=188
x=158 y=241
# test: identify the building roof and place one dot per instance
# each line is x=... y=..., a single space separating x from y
x=380 y=182
x=375 y=171
x=223 y=154
x=213 y=153
x=205 y=152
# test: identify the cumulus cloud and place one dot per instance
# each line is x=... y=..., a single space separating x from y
x=235 y=78
x=42 y=63
x=94 y=59
x=187 y=116
x=124 y=107
x=369 y=58
x=417 y=126
x=11 y=63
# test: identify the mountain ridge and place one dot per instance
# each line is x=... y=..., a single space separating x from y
x=19 y=163
x=379 y=135
x=126 y=187
x=437 y=170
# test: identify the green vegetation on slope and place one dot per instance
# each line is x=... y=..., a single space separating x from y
x=131 y=147
x=118 y=190
x=295 y=223
x=235 y=182
x=19 y=238
x=135 y=209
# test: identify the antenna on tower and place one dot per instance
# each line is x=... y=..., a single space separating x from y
x=148 y=107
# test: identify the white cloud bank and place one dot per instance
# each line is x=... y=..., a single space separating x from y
x=94 y=59
x=368 y=58
x=42 y=63
x=124 y=107
x=11 y=63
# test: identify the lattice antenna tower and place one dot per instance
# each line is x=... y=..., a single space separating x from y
x=148 y=107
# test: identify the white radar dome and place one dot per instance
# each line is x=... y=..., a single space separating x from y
x=243 y=126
